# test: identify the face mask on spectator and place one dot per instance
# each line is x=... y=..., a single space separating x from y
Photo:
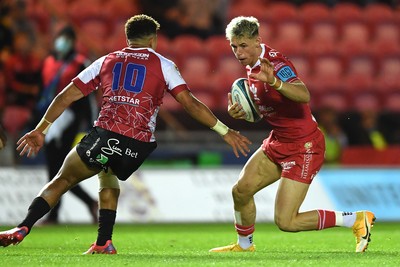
x=62 y=45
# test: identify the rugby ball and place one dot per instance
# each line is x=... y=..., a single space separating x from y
x=241 y=94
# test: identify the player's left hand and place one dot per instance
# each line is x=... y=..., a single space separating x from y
x=235 y=110
x=266 y=73
x=30 y=143
x=238 y=142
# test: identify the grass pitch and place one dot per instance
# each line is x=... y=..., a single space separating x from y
x=188 y=245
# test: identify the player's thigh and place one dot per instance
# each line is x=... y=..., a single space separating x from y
x=289 y=197
x=74 y=169
x=258 y=172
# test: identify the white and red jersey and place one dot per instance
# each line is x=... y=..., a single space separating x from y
x=134 y=81
x=290 y=120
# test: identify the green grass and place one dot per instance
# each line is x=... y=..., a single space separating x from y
x=188 y=245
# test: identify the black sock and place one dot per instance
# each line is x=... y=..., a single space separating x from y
x=106 y=225
x=37 y=210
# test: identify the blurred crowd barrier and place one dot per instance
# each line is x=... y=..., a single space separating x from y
x=146 y=196
x=347 y=54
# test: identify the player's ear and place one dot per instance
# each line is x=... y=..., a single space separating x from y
x=153 y=42
x=258 y=41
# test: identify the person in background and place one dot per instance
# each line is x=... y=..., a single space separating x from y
x=22 y=70
x=201 y=18
x=335 y=138
x=58 y=70
x=3 y=138
x=134 y=81
x=292 y=154
x=364 y=126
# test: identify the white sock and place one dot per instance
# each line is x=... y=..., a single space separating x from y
x=346 y=219
x=245 y=241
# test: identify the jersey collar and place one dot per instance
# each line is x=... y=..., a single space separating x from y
x=258 y=63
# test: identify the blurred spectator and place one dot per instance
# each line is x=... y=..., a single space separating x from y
x=6 y=35
x=364 y=126
x=335 y=138
x=3 y=138
x=202 y=18
x=22 y=71
x=19 y=19
x=58 y=70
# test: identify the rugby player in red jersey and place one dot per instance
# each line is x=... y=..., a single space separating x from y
x=293 y=153
x=133 y=81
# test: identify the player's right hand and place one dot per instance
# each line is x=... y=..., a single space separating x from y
x=30 y=143
x=235 y=110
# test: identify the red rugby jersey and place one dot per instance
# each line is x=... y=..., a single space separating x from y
x=134 y=81
x=290 y=121
x=52 y=66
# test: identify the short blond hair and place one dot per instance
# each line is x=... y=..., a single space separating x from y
x=240 y=27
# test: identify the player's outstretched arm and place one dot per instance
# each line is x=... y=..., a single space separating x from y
x=204 y=115
x=33 y=141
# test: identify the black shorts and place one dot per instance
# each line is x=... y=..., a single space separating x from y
x=105 y=149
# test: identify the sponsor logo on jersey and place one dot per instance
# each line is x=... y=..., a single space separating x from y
x=307 y=160
x=272 y=54
x=121 y=99
x=286 y=73
x=144 y=56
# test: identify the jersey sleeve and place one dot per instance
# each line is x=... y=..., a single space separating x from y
x=88 y=80
x=174 y=80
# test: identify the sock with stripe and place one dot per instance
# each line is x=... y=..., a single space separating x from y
x=245 y=233
x=326 y=219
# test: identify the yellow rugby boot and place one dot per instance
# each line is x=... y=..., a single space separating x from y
x=233 y=248
x=362 y=229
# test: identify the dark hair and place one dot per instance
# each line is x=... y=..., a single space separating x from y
x=67 y=31
x=140 y=26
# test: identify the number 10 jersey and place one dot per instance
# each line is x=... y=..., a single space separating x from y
x=133 y=83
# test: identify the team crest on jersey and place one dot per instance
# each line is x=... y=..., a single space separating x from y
x=308 y=145
x=253 y=89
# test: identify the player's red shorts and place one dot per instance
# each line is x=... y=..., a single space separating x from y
x=300 y=161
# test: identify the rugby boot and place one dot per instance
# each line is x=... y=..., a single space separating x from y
x=362 y=229
x=13 y=236
x=108 y=248
x=233 y=248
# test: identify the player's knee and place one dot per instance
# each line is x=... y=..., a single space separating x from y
x=63 y=182
x=285 y=224
x=241 y=193
x=108 y=180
